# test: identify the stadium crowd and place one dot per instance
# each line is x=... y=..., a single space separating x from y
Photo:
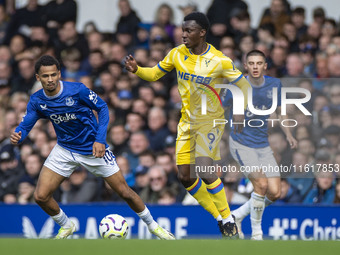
x=144 y=116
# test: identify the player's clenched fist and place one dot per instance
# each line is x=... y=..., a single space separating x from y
x=15 y=137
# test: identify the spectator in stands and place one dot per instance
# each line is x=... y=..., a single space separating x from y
x=71 y=58
x=323 y=191
x=334 y=65
x=140 y=106
x=126 y=170
x=58 y=12
x=10 y=173
x=3 y=23
x=79 y=188
x=33 y=164
x=94 y=39
x=147 y=94
x=314 y=30
x=298 y=19
x=23 y=19
x=219 y=14
x=17 y=46
x=138 y=143
x=26 y=189
x=266 y=34
x=301 y=179
x=241 y=26
x=142 y=178
x=165 y=19
x=158 y=182
x=166 y=197
x=128 y=18
x=25 y=80
x=118 y=139
x=280 y=148
x=278 y=57
x=289 y=194
x=290 y=31
x=277 y=14
x=146 y=158
x=5 y=78
x=117 y=52
x=134 y=122
x=107 y=81
x=157 y=131
x=68 y=37
x=319 y=15
x=329 y=28
x=337 y=193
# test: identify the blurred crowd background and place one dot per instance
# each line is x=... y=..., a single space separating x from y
x=144 y=115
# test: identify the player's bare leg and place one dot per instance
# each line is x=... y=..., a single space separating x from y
x=119 y=185
x=274 y=190
x=48 y=182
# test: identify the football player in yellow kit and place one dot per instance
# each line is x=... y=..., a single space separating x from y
x=199 y=68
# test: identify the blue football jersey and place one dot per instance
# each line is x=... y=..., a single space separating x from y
x=256 y=137
x=70 y=112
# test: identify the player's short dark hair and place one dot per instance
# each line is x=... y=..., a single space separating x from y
x=255 y=53
x=46 y=60
x=200 y=18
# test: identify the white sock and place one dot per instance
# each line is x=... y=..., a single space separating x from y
x=62 y=219
x=219 y=218
x=243 y=211
x=256 y=212
x=267 y=201
x=228 y=219
x=146 y=216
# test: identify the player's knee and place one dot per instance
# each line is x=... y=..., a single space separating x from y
x=274 y=195
x=125 y=193
x=261 y=187
x=40 y=198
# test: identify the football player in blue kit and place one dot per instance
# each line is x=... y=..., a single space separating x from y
x=251 y=149
x=81 y=141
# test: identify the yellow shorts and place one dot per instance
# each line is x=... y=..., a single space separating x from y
x=197 y=140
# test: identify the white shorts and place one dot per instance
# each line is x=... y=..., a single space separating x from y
x=252 y=159
x=63 y=162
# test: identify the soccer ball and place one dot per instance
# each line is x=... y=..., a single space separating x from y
x=113 y=226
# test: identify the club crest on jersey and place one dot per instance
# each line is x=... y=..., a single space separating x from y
x=207 y=62
x=43 y=107
x=69 y=101
x=270 y=94
x=93 y=97
x=185 y=57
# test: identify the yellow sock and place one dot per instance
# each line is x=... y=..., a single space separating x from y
x=199 y=191
x=218 y=196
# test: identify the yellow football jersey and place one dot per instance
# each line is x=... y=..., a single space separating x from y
x=197 y=76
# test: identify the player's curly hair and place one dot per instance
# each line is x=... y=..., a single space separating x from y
x=200 y=18
x=46 y=60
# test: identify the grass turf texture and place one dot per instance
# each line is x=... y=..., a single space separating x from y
x=140 y=247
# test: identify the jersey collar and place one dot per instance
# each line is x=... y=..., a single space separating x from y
x=58 y=94
x=259 y=86
x=205 y=52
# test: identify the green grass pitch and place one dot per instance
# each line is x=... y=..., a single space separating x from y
x=140 y=247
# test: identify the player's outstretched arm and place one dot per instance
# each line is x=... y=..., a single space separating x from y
x=131 y=64
x=15 y=137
